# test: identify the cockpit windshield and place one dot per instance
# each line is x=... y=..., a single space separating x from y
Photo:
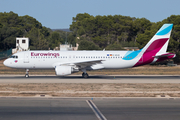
x=14 y=56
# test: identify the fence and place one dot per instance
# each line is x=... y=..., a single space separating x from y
x=5 y=54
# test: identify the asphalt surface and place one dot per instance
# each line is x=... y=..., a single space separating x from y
x=92 y=79
x=78 y=108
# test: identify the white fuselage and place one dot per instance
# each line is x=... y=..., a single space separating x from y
x=50 y=59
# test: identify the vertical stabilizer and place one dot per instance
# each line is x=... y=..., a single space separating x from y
x=157 y=46
x=160 y=40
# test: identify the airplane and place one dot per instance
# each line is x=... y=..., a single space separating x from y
x=68 y=62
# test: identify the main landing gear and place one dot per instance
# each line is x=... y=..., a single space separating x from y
x=27 y=73
x=85 y=75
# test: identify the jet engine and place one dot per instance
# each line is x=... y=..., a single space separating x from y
x=63 y=70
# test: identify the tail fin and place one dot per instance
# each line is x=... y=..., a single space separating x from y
x=155 y=49
x=160 y=40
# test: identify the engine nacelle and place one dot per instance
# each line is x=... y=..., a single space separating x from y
x=63 y=70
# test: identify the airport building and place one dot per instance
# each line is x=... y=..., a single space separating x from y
x=22 y=44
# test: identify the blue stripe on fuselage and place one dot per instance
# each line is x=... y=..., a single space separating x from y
x=131 y=55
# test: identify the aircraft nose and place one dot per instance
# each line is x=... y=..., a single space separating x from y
x=5 y=62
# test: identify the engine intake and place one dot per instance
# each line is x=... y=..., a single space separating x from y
x=63 y=70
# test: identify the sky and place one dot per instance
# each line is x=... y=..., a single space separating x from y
x=58 y=14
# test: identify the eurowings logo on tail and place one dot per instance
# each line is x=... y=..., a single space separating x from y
x=155 y=49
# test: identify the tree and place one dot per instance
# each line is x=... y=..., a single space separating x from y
x=103 y=30
x=12 y=26
x=55 y=40
x=37 y=40
x=87 y=45
x=115 y=46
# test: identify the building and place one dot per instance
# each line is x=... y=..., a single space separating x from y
x=67 y=47
x=22 y=44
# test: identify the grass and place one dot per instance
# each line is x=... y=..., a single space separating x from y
x=91 y=90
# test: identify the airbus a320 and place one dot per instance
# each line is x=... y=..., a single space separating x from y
x=68 y=62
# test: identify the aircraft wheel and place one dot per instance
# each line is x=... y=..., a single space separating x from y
x=85 y=75
x=26 y=75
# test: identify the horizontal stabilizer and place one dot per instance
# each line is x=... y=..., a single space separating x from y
x=169 y=55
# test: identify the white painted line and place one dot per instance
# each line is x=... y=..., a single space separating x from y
x=97 y=112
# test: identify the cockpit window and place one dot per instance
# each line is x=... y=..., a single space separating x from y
x=14 y=56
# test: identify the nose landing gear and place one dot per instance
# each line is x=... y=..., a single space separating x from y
x=27 y=73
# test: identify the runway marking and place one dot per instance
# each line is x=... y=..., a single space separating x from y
x=97 y=112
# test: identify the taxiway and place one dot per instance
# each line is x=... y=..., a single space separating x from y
x=92 y=79
x=79 y=109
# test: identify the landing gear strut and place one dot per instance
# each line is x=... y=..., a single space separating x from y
x=85 y=75
x=27 y=73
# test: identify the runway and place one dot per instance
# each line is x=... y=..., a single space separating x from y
x=79 y=109
x=92 y=79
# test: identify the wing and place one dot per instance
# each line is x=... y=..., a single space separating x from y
x=84 y=64
x=80 y=64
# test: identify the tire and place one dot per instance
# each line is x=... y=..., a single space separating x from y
x=86 y=75
x=26 y=75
